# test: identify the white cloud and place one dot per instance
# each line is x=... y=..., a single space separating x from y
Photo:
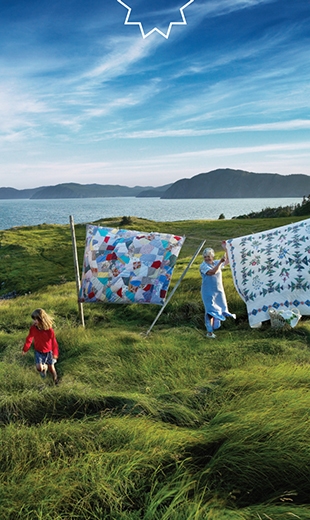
x=240 y=150
x=223 y=7
x=297 y=124
x=123 y=53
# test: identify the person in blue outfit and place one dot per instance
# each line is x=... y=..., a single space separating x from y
x=212 y=291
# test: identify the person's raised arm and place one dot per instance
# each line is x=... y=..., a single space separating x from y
x=215 y=269
x=224 y=246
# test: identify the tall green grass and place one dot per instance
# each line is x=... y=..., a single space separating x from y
x=170 y=426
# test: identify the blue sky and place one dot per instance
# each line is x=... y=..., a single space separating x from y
x=85 y=98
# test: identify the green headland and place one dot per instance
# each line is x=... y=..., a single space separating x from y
x=169 y=426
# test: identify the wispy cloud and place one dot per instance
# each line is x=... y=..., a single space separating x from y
x=242 y=150
x=124 y=53
x=297 y=124
x=223 y=7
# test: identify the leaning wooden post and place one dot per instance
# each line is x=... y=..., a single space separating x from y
x=76 y=269
x=176 y=285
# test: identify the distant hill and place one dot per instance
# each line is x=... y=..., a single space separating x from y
x=75 y=191
x=227 y=183
x=154 y=192
x=80 y=191
x=12 y=193
x=221 y=184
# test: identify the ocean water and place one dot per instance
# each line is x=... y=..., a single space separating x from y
x=32 y=212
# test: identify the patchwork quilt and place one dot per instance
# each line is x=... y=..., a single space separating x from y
x=123 y=266
x=271 y=270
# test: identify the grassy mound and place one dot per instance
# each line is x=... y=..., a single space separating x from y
x=171 y=426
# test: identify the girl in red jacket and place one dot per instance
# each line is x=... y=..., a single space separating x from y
x=45 y=343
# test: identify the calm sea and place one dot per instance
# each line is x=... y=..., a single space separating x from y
x=33 y=212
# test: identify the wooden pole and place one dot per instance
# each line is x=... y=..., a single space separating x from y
x=176 y=285
x=76 y=269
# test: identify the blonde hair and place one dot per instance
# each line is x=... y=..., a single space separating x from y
x=45 y=321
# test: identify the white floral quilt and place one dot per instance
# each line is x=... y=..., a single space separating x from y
x=271 y=270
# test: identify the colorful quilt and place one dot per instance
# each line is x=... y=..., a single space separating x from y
x=271 y=270
x=122 y=266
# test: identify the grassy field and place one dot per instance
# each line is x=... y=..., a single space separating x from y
x=171 y=426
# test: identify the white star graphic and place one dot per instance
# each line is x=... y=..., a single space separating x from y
x=165 y=35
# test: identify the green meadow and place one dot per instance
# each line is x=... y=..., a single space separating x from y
x=168 y=426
